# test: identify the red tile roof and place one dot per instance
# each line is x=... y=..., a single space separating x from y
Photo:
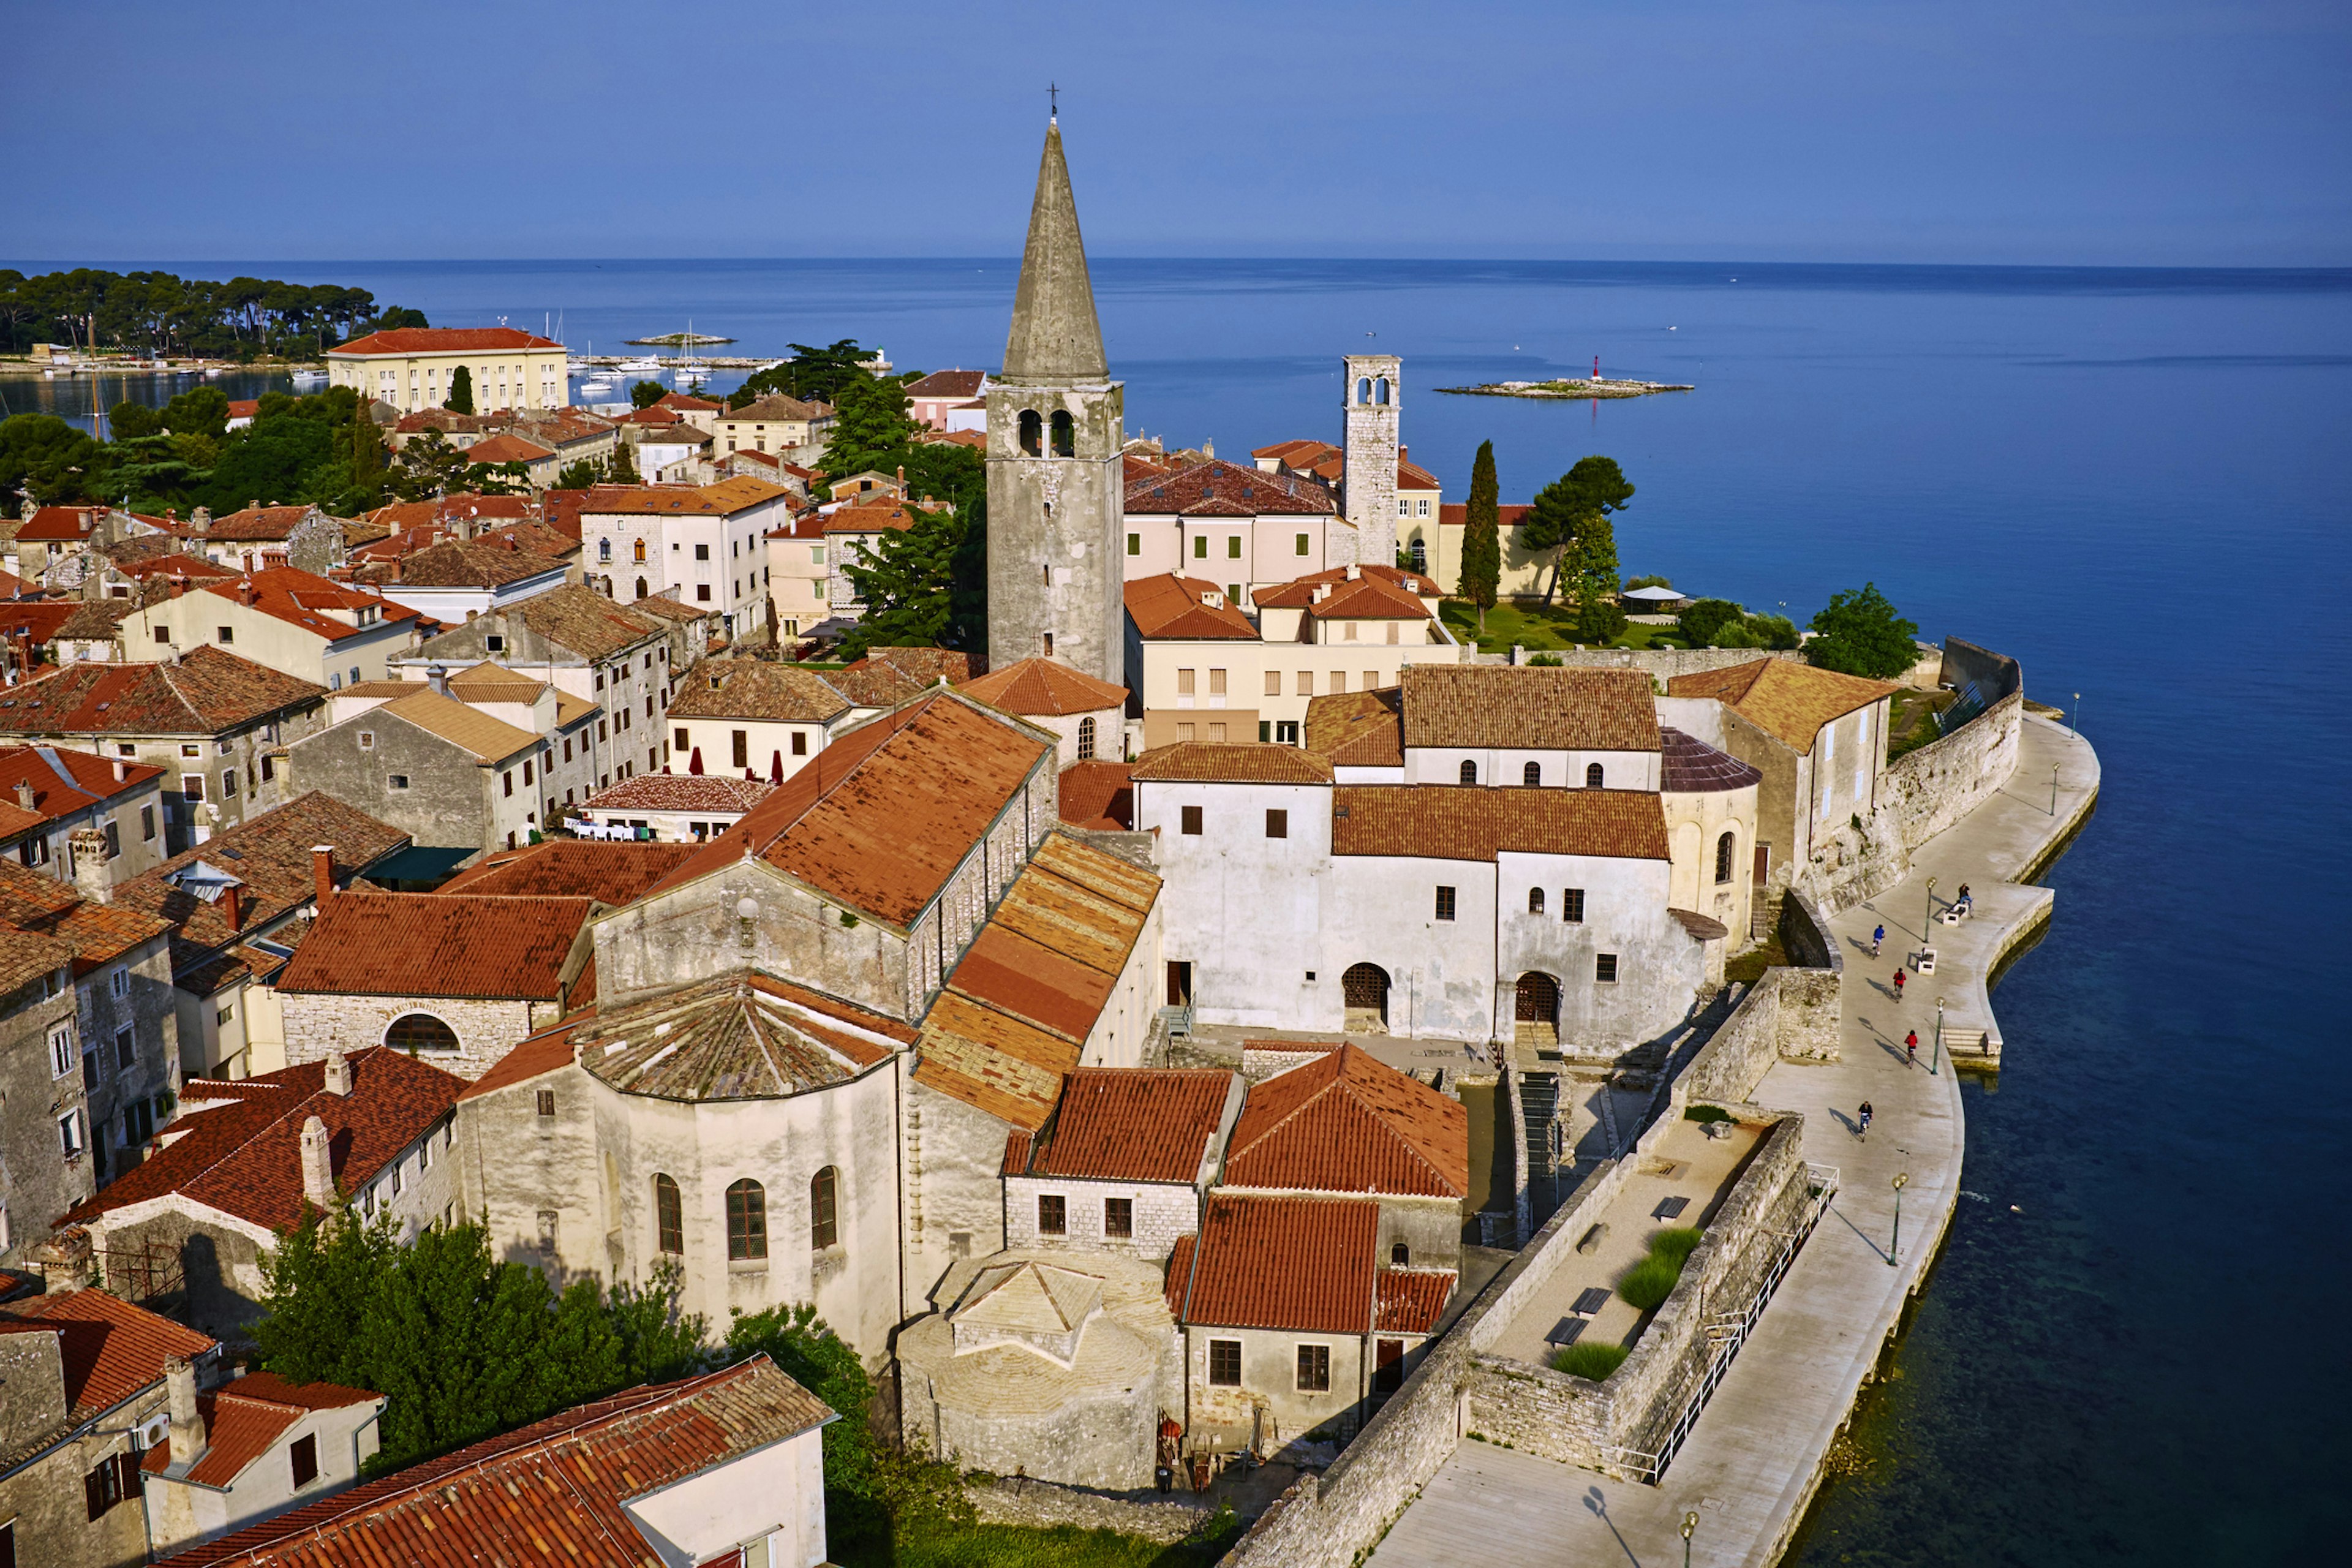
x=1411 y=1301
x=1097 y=794
x=1299 y=591
x=113 y=1350
x=1457 y=514
x=1789 y=701
x=1470 y=822
x=874 y=517
x=723 y=499
x=1356 y=729
x=1216 y=488
x=1184 y=609
x=615 y=874
x=1492 y=706
x=1229 y=762
x=304 y=600
x=1043 y=686
x=1688 y=765
x=245 y=1418
x=1413 y=477
x=1346 y=1123
x=98 y=933
x=1368 y=599
x=506 y=447
x=686 y=403
x=206 y=693
x=679 y=792
x=243 y=1155
x=62 y=782
x=173 y=564
x=735 y=1037
x=444 y=340
x=962 y=384
x=71 y=524
x=550 y=1492
x=777 y=406
x=259 y=524
x=478 y=946
x=754 y=689
x=1305 y=1265
x=1131 y=1124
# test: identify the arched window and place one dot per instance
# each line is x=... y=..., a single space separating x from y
x=1033 y=431
x=1531 y=776
x=1469 y=773
x=1086 y=740
x=641 y=587
x=824 y=1230
x=1066 y=435
x=1418 y=554
x=604 y=549
x=1381 y=390
x=1535 y=900
x=1723 y=860
x=747 y=1220
x=419 y=1032
x=1401 y=1255
x=1364 y=390
x=669 y=1217
x=1593 y=775
x=637 y=550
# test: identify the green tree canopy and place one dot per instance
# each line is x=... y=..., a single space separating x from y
x=1482 y=541
x=925 y=586
x=814 y=375
x=128 y=421
x=1703 y=620
x=645 y=394
x=42 y=456
x=461 y=391
x=1859 y=633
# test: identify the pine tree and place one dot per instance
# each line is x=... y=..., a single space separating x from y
x=461 y=391
x=1482 y=544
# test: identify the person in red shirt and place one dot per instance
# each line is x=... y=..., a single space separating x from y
x=1899 y=985
x=1911 y=1047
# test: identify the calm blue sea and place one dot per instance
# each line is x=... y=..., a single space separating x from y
x=2140 y=483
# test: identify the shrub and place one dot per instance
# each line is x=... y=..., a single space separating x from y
x=1545 y=661
x=1677 y=1243
x=1737 y=633
x=1773 y=631
x=1649 y=1282
x=1704 y=621
x=1595 y=1360
x=1706 y=1113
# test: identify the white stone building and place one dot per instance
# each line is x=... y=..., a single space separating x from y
x=706 y=546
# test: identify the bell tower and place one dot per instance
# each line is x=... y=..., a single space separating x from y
x=1056 y=496
x=1373 y=383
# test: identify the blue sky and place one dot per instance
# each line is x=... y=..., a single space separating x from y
x=2131 y=132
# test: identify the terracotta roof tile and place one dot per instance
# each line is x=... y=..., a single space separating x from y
x=259 y=524
x=245 y=1418
x=722 y=499
x=96 y=932
x=1220 y=489
x=754 y=689
x=25 y=955
x=1457 y=514
x=679 y=792
x=1789 y=701
x=1688 y=765
x=1368 y=599
x=1346 y=1123
x=1299 y=591
x=1305 y=1265
x=1356 y=729
x=1470 y=822
x=469 y=564
x=302 y=599
x=578 y=619
x=1485 y=707
x=737 y=1036
x=552 y=1491
x=206 y=693
x=1184 y=609
x=1097 y=794
x=111 y=1349
x=615 y=874
x=64 y=781
x=874 y=517
x=965 y=383
x=474 y=945
x=1237 y=762
x=442 y=340
x=505 y=446
x=1411 y=1301
x=270 y=855
x=1131 y=1124
x=1043 y=686
x=775 y=407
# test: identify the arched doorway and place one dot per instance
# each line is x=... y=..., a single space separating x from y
x=1365 y=991
x=1536 y=1012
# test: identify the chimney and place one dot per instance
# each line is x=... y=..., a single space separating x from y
x=24 y=795
x=318 y=1168
x=120 y=771
x=189 y=1438
x=322 y=868
x=339 y=1074
x=1354 y=572
x=232 y=896
x=437 y=677
x=87 y=846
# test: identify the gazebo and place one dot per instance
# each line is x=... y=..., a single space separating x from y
x=1654 y=601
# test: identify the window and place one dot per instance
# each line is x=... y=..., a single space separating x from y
x=192 y=786
x=1216 y=734
x=224 y=633
x=1314 y=1368
x=1469 y=773
x=747 y=1221
x=1216 y=683
x=1401 y=1255
x=69 y=1132
x=62 y=1050
x=118 y=983
x=741 y=747
x=1604 y=968
x=1572 y=906
x=228 y=783
x=1119 y=1218
x=305 y=1454
x=506 y=779
x=1191 y=816
x=163 y=634
x=1185 y=683
x=1338 y=682
x=1199 y=547
x=1052 y=1214
x=126 y=1048
x=604 y=549
x=1404 y=507
x=800 y=744
x=825 y=1228
x=547 y=1102
x=1722 y=846
x=1535 y=900
x=1065 y=434
x=147 y=823
x=526 y=772
x=1278 y=824
x=1593 y=775
x=114 y=839
x=702 y=553
x=1531 y=776
x=191 y=751
x=1086 y=740
x=669 y=1217
x=419 y=1032
x=702 y=592
x=398 y=781
x=89 y=1070
x=1135 y=544
x=1274 y=683
x=637 y=549
x=1306 y=683
x=1445 y=903
x=1184 y=734
x=1233 y=547
x=1032 y=433
x=1224 y=1364
x=1300 y=545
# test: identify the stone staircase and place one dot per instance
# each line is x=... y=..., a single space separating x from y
x=1540 y=1109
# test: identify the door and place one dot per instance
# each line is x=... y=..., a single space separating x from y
x=1536 y=1011
x=1180 y=984
x=1364 y=991
x=1388 y=1365
x=1763 y=863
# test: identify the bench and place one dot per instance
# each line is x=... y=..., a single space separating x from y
x=1590 y=1299
x=1670 y=1208
x=1564 y=1332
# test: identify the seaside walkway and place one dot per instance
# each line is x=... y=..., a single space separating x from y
x=1755 y=1455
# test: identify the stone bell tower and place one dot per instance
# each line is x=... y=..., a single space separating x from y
x=1056 y=500
x=1373 y=385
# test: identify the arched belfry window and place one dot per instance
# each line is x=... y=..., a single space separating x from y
x=1364 y=390
x=1381 y=390
x=1531 y=776
x=1066 y=435
x=1722 y=846
x=1469 y=772
x=1033 y=431
x=1592 y=776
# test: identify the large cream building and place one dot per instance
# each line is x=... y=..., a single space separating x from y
x=411 y=367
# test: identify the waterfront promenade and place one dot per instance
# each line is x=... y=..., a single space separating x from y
x=1755 y=1456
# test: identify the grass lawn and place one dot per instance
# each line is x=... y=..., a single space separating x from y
x=1536 y=626
x=1911 y=720
x=1749 y=966
x=1015 y=1546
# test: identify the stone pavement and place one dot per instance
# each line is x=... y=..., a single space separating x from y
x=1753 y=1458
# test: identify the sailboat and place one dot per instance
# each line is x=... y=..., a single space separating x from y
x=690 y=374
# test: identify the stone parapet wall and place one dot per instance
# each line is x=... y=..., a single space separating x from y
x=1742 y=1050
x=1661 y=664
x=1926 y=791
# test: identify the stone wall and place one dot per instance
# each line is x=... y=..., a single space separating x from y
x=1742 y=1050
x=316 y=1023
x=1926 y=791
x=1662 y=664
x=1805 y=934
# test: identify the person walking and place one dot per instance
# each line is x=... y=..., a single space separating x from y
x=1899 y=985
x=1967 y=901
x=1911 y=1047
x=1876 y=937
x=1864 y=1122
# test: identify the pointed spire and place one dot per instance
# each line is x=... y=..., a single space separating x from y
x=1056 y=340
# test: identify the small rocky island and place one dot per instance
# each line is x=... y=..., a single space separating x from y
x=1572 y=387
x=676 y=341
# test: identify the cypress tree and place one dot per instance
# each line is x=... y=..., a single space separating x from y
x=461 y=391
x=1482 y=544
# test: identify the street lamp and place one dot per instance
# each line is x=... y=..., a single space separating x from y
x=1929 y=918
x=1934 y=1061
x=2054 y=789
x=2078 y=712
x=1690 y=1528
x=1895 y=1249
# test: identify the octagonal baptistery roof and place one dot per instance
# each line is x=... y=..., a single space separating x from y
x=738 y=1036
x=1691 y=767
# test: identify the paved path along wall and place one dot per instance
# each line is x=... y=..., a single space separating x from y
x=1755 y=1456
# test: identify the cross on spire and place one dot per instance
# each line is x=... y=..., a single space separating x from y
x=1053 y=100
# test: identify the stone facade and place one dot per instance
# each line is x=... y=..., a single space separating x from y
x=1372 y=395
x=128 y=1017
x=46 y=1498
x=1161 y=1211
x=40 y=1176
x=486 y=1030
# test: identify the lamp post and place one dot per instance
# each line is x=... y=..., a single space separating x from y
x=1690 y=1528
x=2054 y=789
x=2078 y=712
x=1929 y=918
x=1895 y=1249
x=1935 y=1062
